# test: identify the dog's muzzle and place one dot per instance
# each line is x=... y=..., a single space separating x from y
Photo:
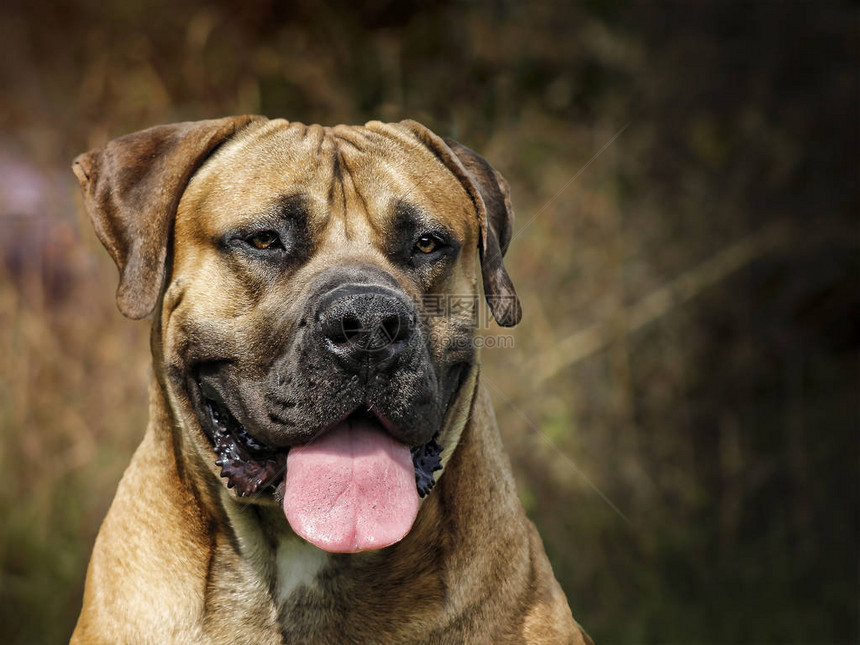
x=351 y=479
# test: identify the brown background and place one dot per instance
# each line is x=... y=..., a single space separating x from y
x=681 y=400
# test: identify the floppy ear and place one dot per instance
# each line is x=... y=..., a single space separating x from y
x=496 y=195
x=132 y=187
x=491 y=196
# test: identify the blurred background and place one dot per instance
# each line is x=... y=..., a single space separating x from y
x=681 y=401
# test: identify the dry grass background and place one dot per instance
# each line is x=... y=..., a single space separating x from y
x=681 y=401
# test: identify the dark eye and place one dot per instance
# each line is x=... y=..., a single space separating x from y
x=265 y=240
x=427 y=244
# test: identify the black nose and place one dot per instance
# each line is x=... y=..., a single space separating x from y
x=366 y=327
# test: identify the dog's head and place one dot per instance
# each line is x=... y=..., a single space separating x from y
x=315 y=296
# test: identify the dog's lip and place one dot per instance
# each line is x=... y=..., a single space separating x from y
x=363 y=410
x=212 y=399
x=248 y=465
x=209 y=393
x=235 y=428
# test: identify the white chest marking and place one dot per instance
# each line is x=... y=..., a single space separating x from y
x=298 y=564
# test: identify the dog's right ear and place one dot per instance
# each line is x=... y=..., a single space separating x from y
x=132 y=187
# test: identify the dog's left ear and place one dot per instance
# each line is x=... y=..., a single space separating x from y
x=492 y=199
x=132 y=187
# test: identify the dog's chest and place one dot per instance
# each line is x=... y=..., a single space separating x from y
x=297 y=567
x=325 y=598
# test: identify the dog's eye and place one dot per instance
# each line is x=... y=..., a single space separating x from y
x=265 y=240
x=426 y=244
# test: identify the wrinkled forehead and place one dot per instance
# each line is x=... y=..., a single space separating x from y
x=348 y=170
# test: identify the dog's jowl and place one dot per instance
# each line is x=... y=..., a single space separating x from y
x=321 y=464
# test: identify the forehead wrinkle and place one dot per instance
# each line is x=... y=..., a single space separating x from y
x=399 y=137
x=256 y=169
x=357 y=192
x=419 y=169
x=360 y=207
x=429 y=196
x=303 y=153
x=353 y=137
x=383 y=176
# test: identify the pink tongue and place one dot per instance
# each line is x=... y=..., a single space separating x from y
x=351 y=490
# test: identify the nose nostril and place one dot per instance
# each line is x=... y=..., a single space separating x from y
x=390 y=327
x=350 y=329
x=341 y=329
x=395 y=328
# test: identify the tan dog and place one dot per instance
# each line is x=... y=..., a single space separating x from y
x=313 y=297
